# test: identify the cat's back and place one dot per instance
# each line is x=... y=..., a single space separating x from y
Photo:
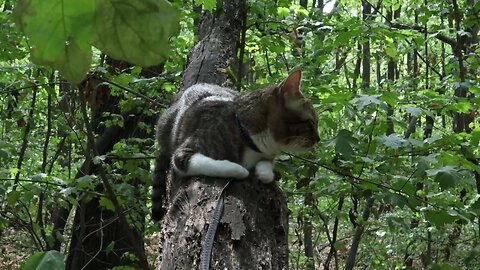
x=206 y=91
x=199 y=95
x=198 y=99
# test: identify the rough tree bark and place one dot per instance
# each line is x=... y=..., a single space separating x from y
x=252 y=233
x=94 y=227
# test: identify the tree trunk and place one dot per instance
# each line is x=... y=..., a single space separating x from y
x=100 y=237
x=366 y=14
x=350 y=261
x=253 y=231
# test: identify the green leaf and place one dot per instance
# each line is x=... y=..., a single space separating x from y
x=136 y=31
x=50 y=260
x=107 y=204
x=446 y=176
x=38 y=177
x=207 y=4
x=346 y=37
x=363 y=101
x=475 y=139
x=390 y=48
x=461 y=106
x=396 y=199
x=86 y=181
x=302 y=13
x=283 y=12
x=476 y=206
x=337 y=97
x=391 y=98
x=344 y=142
x=338 y=245
x=73 y=63
x=4 y=154
x=12 y=197
x=439 y=217
x=392 y=141
x=110 y=247
x=413 y=110
x=60 y=33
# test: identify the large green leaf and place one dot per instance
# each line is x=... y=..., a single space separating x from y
x=136 y=31
x=362 y=101
x=60 y=33
x=392 y=141
x=107 y=204
x=344 y=143
x=439 y=217
x=50 y=260
x=395 y=199
x=446 y=177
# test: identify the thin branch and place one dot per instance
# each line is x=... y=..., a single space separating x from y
x=115 y=157
x=417 y=28
x=11 y=89
x=25 y=140
x=352 y=177
x=109 y=188
x=420 y=29
x=140 y=95
x=100 y=247
x=53 y=184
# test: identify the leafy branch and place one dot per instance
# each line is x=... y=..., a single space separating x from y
x=111 y=26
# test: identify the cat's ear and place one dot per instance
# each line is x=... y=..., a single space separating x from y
x=290 y=87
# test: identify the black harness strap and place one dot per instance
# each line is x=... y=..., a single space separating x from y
x=207 y=244
x=245 y=135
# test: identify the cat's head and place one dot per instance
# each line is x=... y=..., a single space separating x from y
x=292 y=119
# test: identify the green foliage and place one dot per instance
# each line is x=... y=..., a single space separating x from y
x=68 y=24
x=50 y=260
x=344 y=143
x=144 y=27
x=72 y=27
x=207 y=4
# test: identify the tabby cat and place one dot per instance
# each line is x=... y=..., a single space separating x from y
x=215 y=131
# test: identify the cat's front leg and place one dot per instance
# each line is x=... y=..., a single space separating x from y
x=189 y=163
x=264 y=171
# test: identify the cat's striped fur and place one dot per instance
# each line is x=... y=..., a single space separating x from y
x=214 y=131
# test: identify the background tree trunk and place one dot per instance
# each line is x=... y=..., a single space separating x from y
x=100 y=238
x=253 y=231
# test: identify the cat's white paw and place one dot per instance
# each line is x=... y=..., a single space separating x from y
x=200 y=164
x=231 y=169
x=264 y=172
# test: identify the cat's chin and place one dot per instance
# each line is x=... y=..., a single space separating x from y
x=300 y=146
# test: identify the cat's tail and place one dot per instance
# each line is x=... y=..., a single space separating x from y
x=165 y=126
x=159 y=190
